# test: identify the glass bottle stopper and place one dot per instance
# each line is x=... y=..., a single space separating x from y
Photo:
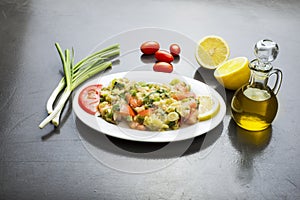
x=265 y=51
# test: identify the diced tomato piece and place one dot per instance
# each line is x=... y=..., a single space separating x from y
x=134 y=102
x=192 y=119
x=193 y=104
x=144 y=113
x=181 y=95
x=131 y=111
x=127 y=110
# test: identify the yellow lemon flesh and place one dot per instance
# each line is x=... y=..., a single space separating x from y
x=209 y=106
x=211 y=51
x=233 y=73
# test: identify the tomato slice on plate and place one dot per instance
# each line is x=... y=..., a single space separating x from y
x=89 y=98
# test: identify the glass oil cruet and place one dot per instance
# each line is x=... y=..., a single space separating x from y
x=254 y=105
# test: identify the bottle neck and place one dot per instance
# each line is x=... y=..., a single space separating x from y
x=259 y=73
x=259 y=79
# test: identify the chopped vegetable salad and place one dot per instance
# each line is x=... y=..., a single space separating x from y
x=149 y=106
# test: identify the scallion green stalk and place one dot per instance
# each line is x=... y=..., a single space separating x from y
x=61 y=85
x=75 y=75
x=83 y=65
x=69 y=61
x=68 y=76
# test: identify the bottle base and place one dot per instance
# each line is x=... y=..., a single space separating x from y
x=251 y=123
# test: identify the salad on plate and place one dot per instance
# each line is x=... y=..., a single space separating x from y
x=154 y=106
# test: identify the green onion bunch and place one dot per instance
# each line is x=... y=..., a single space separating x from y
x=74 y=75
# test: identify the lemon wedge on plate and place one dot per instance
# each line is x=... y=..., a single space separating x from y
x=212 y=51
x=233 y=73
x=209 y=106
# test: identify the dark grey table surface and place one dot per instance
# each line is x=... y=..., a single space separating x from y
x=75 y=162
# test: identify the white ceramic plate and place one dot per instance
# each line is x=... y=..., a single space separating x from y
x=124 y=132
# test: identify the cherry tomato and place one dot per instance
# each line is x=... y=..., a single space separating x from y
x=174 y=49
x=164 y=56
x=163 y=67
x=89 y=98
x=149 y=47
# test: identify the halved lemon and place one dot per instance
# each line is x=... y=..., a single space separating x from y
x=212 y=51
x=233 y=73
x=209 y=106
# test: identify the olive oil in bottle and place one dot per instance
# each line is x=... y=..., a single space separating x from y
x=254 y=105
x=254 y=109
